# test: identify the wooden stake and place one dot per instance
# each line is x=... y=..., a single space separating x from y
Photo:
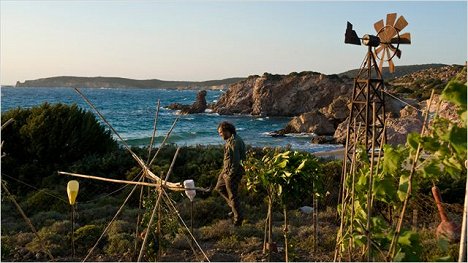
x=150 y=146
x=392 y=250
x=369 y=191
x=155 y=207
x=110 y=223
x=285 y=230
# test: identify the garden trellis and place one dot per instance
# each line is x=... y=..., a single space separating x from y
x=161 y=185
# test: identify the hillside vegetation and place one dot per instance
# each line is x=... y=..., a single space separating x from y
x=400 y=71
x=419 y=84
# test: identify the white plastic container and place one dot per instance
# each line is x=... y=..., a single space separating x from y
x=190 y=193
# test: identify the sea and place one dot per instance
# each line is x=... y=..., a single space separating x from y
x=131 y=112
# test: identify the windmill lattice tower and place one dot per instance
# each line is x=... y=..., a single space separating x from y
x=367 y=116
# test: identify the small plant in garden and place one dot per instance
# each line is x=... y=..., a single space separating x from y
x=286 y=177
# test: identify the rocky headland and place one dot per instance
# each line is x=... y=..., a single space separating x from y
x=319 y=103
x=282 y=95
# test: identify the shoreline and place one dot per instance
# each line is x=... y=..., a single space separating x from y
x=332 y=154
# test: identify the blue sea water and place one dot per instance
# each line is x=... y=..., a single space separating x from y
x=131 y=112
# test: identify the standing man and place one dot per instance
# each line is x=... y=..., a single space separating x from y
x=231 y=175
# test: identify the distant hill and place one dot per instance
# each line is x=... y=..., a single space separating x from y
x=419 y=84
x=112 y=82
x=400 y=71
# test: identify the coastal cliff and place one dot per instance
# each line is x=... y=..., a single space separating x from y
x=282 y=95
x=110 y=82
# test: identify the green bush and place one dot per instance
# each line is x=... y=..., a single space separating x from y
x=48 y=138
x=205 y=211
x=44 y=200
x=86 y=236
x=56 y=238
x=47 y=218
x=120 y=227
x=119 y=244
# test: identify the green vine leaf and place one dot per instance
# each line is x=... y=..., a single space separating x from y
x=391 y=160
x=432 y=170
x=403 y=187
x=455 y=92
x=457 y=138
x=413 y=140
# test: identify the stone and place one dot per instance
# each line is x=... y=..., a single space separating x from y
x=310 y=122
x=199 y=106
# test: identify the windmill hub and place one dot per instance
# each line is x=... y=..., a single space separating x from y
x=370 y=40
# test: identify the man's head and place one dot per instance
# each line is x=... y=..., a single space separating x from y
x=226 y=130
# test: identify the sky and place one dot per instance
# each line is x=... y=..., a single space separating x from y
x=205 y=40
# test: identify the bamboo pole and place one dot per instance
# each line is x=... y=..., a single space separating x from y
x=150 y=146
x=265 y=233
x=316 y=211
x=353 y=179
x=164 y=141
x=109 y=180
x=155 y=207
x=158 y=232
x=73 y=230
x=7 y=122
x=369 y=191
x=28 y=222
x=285 y=230
x=392 y=250
x=270 y=224
x=174 y=187
x=137 y=231
x=171 y=205
x=110 y=223
x=462 y=250
x=343 y=193
x=138 y=159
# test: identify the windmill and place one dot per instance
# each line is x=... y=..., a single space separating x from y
x=368 y=92
x=366 y=121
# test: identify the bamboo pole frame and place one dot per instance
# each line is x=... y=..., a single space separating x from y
x=392 y=249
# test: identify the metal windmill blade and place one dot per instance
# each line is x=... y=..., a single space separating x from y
x=390 y=39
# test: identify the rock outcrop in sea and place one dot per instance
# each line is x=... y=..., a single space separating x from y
x=199 y=106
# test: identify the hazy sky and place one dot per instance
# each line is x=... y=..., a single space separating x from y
x=202 y=40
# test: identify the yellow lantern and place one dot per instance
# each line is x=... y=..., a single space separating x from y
x=72 y=191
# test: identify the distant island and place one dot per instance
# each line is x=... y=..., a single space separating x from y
x=114 y=82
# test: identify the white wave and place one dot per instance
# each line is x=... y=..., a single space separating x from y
x=301 y=135
x=260 y=119
x=208 y=110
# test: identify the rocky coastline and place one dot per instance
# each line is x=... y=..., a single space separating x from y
x=319 y=103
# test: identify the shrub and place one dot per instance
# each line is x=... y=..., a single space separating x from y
x=55 y=238
x=42 y=219
x=86 y=236
x=229 y=242
x=48 y=137
x=120 y=227
x=120 y=244
x=205 y=211
x=218 y=230
x=44 y=200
